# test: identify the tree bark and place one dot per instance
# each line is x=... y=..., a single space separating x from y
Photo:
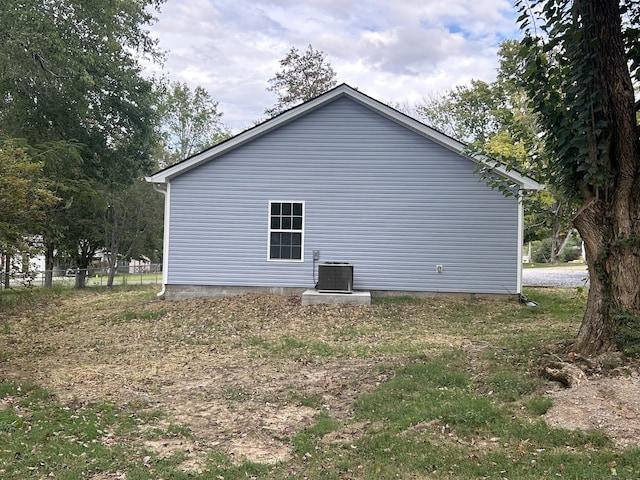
x=85 y=255
x=609 y=221
x=112 y=229
x=81 y=278
x=558 y=246
x=112 y=264
x=48 y=264
x=597 y=332
x=612 y=314
x=555 y=233
x=7 y=270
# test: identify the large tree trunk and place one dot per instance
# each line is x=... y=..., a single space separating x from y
x=612 y=315
x=609 y=221
x=597 y=332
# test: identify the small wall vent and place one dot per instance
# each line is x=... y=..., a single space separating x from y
x=335 y=277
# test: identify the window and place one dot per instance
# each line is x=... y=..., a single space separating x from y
x=286 y=221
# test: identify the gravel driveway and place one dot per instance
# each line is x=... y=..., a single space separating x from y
x=574 y=276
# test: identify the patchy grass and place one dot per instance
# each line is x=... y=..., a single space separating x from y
x=102 y=385
x=16 y=298
x=44 y=438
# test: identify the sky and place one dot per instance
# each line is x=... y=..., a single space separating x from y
x=397 y=51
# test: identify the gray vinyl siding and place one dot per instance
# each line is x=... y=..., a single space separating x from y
x=376 y=194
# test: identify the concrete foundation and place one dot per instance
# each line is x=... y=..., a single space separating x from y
x=181 y=292
x=313 y=297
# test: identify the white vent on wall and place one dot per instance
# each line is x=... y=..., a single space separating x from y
x=335 y=277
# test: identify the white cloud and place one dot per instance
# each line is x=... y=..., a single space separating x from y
x=397 y=51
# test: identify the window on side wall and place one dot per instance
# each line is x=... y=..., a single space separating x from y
x=286 y=230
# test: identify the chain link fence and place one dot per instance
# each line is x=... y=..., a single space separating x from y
x=149 y=273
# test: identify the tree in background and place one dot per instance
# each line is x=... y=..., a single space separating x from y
x=548 y=212
x=133 y=222
x=24 y=200
x=303 y=77
x=69 y=71
x=82 y=233
x=24 y=195
x=582 y=59
x=190 y=122
x=495 y=120
x=469 y=113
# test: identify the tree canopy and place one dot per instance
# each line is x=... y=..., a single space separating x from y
x=190 y=120
x=25 y=196
x=303 y=76
x=468 y=113
x=70 y=72
x=55 y=88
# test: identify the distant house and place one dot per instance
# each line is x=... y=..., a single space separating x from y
x=348 y=179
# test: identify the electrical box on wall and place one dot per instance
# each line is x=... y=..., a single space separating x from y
x=335 y=277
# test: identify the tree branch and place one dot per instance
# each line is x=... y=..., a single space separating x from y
x=40 y=60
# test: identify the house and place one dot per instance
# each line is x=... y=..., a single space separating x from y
x=340 y=178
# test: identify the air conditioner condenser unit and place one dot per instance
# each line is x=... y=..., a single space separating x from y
x=335 y=277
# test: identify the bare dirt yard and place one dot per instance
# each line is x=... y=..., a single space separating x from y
x=607 y=404
x=245 y=374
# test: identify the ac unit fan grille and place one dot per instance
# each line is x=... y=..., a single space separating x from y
x=335 y=277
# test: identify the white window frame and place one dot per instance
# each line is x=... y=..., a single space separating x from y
x=270 y=231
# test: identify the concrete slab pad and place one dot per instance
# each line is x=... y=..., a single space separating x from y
x=314 y=297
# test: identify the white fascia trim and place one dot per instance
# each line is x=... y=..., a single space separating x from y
x=525 y=183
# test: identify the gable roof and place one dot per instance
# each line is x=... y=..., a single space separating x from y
x=343 y=90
